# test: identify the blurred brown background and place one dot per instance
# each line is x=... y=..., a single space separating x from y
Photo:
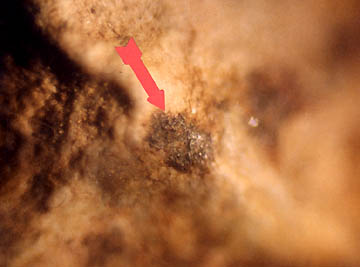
x=254 y=163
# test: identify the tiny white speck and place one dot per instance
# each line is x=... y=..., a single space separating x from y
x=193 y=110
x=253 y=122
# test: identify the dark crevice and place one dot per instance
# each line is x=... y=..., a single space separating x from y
x=27 y=56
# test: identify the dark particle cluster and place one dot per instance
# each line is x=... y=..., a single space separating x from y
x=186 y=147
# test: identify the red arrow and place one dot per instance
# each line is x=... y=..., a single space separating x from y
x=131 y=55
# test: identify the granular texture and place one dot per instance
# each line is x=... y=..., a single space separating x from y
x=91 y=174
x=186 y=147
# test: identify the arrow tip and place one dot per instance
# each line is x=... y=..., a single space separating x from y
x=158 y=99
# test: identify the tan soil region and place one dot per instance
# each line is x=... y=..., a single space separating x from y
x=255 y=161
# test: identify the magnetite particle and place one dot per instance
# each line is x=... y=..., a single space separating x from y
x=185 y=145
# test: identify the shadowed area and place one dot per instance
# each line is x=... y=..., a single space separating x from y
x=39 y=85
